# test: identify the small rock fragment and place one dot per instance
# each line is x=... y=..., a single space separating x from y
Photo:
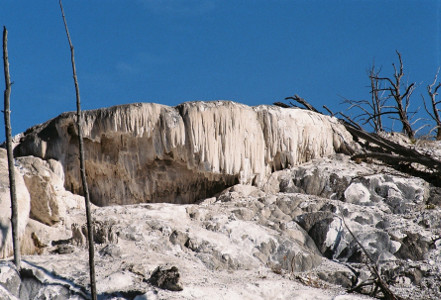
x=166 y=279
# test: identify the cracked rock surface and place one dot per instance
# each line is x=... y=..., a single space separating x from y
x=254 y=242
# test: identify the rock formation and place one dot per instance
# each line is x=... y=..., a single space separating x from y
x=23 y=205
x=147 y=152
x=42 y=200
x=288 y=236
x=43 y=180
x=252 y=242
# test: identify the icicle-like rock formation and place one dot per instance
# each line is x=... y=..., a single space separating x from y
x=155 y=153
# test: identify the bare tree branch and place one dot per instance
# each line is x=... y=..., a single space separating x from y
x=432 y=90
x=329 y=111
x=402 y=100
x=377 y=280
x=409 y=90
x=373 y=110
x=350 y=121
x=387 y=79
x=281 y=104
x=303 y=102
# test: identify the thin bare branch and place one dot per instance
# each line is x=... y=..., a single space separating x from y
x=409 y=90
x=303 y=102
x=433 y=92
x=352 y=122
x=377 y=280
x=387 y=79
x=329 y=111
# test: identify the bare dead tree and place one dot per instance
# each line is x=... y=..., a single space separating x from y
x=12 y=188
x=402 y=100
x=82 y=164
x=370 y=111
x=377 y=101
x=432 y=90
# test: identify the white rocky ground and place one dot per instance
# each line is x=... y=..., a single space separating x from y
x=283 y=239
x=250 y=243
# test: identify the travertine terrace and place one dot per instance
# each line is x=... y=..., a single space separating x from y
x=148 y=152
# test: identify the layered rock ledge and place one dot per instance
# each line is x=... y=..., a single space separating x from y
x=149 y=152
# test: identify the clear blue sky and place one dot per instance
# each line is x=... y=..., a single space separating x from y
x=171 y=51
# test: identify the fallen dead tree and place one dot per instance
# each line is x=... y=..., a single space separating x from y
x=373 y=146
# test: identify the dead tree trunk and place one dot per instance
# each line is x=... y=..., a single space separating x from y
x=82 y=164
x=432 y=90
x=369 y=111
x=376 y=101
x=402 y=101
x=12 y=190
x=302 y=101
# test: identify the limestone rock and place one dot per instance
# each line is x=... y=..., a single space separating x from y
x=414 y=246
x=44 y=179
x=326 y=180
x=396 y=193
x=334 y=241
x=369 y=201
x=5 y=294
x=23 y=203
x=154 y=153
x=32 y=283
x=246 y=242
x=10 y=279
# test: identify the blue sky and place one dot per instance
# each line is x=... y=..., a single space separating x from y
x=250 y=51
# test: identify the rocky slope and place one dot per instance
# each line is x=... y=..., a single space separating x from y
x=288 y=236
